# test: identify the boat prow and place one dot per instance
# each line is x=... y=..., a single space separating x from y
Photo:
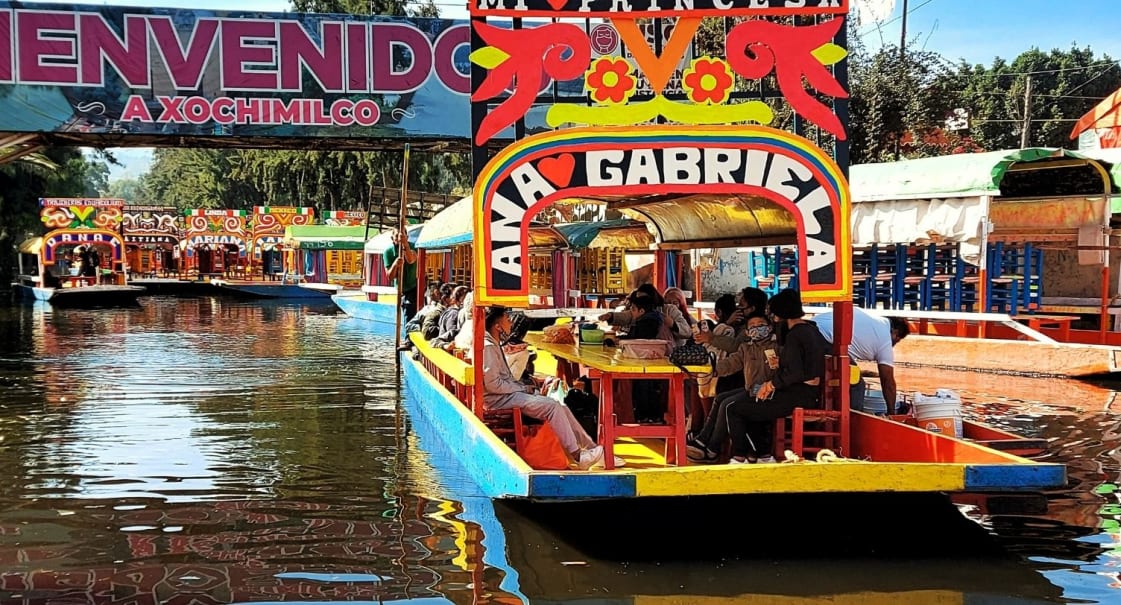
x=358 y=305
x=84 y=297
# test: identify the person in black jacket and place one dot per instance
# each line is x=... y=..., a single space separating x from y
x=649 y=396
x=797 y=382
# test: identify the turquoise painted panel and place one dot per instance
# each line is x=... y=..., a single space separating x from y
x=1014 y=477
x=581 y=486
x=491 y=468
x=368 y=310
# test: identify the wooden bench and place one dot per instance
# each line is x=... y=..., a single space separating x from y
x=458 y=377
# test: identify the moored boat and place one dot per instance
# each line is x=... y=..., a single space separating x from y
x=706 y=181
x=80 y=262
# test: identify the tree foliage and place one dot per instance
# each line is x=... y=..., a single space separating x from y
x=901 y=101
x=326 y=180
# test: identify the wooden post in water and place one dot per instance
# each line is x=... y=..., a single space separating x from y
x=403 y=232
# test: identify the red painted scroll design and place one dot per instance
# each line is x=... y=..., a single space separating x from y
x=531 y=54
x=756 y=48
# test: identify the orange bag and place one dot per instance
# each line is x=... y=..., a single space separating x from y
x=542 y=450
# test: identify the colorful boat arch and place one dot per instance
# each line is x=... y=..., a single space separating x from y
x=80 y=237
x=783 y=168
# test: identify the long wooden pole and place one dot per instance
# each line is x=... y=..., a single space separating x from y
x=403 y=232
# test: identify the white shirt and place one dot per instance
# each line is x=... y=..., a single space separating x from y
x=871 y=336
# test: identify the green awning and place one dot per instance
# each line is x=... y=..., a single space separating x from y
x=326 y=237
x=961 y=175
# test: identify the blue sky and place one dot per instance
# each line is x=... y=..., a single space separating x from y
x=974 y=30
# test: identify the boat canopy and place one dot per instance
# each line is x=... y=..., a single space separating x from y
x=622 y=233
x=31 y=246
x=706 y=220
x=452 y=226
x=947 y=199
x=325 y=237
x=382 y=241
x=960 y=175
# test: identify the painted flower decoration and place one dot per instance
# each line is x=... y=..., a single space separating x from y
x=610 y=80
x=708 y=81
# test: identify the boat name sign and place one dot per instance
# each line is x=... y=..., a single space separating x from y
x=654 y=170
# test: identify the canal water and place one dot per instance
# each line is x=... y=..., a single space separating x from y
x=217 y=451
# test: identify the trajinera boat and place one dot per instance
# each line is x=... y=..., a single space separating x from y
x=699 y=182
x=80 y=261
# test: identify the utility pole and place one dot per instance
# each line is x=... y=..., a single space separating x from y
x=1025 y=132
x=903 y=34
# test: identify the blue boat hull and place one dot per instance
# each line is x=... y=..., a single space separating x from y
x=268 y=290
x=360 y=308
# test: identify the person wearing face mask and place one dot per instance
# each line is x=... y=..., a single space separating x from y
x=797 y=382
x=749 y=301
x=756 y=360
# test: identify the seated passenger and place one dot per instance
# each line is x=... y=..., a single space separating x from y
x=649 y=396
x=449 y=319
x=430 y=327
x=502 y=391
x=797 y=382
x=432 y=298
x=754 y=362
x=676 y=326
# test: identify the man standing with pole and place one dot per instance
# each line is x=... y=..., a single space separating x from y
x=400 y=259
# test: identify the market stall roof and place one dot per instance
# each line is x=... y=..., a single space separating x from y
x=621 y=233
x=951 y=176
x=382 y=241
x=31 y=246
x=325 y=237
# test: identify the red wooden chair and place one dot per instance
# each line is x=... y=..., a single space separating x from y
x=828 y=427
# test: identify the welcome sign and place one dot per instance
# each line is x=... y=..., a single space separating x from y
x=154 y=71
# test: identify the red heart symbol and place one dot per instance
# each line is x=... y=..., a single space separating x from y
x=558 y=169
x=557 y=4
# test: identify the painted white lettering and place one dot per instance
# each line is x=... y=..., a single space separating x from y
x=620 y=6
x=601 y=175
x=819 y=254
x=795 y=3
x=784 y=170
x=507 y=259
x=756 y=165
x=720 y=163
x=682 y=165
x=643 y=169
x=531 y=185
x=509 y=227
x=810 y=204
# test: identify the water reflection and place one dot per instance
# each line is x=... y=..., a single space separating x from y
x=216 y=451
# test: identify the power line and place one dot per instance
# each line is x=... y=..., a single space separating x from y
x=877 y=26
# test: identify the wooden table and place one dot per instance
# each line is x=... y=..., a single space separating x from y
x=603 y=363
x=1062 y=322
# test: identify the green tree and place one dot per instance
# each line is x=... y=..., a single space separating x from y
x=130 y=190
x=1065 y=85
